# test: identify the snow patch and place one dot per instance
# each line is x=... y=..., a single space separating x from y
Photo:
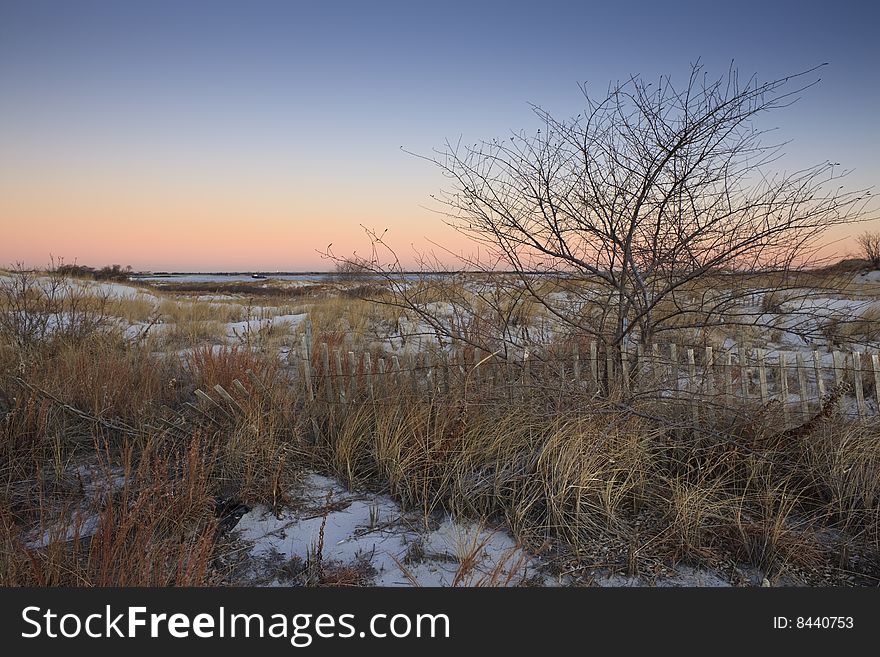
x=372 y=529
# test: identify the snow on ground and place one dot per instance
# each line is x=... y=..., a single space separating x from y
x=369 y=529
x=95 y=482
x=685 y=576
x=868 y=277
x=216 y=297
x=94 y=288
x=371 y=533
x=118 y=290
x=253 y=326
x=84 y=525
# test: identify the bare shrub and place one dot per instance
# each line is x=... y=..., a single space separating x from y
x=869 y=243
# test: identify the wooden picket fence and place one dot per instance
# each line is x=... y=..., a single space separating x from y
x=701 y=377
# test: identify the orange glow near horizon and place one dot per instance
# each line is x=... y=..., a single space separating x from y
x=229 y=232
x=221 y=231
x=211 y=218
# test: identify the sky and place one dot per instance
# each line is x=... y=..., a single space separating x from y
x=217 y=136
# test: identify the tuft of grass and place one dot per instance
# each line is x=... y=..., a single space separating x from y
x=155 y=529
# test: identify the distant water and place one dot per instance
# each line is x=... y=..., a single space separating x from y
x=316 y=277
x=229 y=278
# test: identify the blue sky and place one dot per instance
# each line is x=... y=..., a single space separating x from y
x=290 y=116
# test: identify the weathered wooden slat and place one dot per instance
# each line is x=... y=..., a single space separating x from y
x=709 y=372
x=255 y=380
x=412 y=364
x=328 y=380
x=839 y=361
x=352 y=375
x=227 y=397
x=428 y=366
x=857 y=383
x=655 y=364
x=875 y=362
x=762 y=376
x=692 y=382
x=205 y=397
x=820 y=379
x=398 y=375
x=728 y=376
x=368 y=375
x=307 y=370
x=383 y=383
x=744 y=372
x=802 y=385
x=240 y=389
x=673 y=360
x=307 y=346
x=340 y=375
x=783 y=385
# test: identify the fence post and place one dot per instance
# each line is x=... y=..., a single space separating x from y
x=692 y=377
x=414 y=374
x=728 y=377
x=429 y=373
x=762 y=376
x=328 y=381
x=857 y=381
x=783 y=385
x=692 y=384
x=307 y=371
x=655 y=364
x=576 y=366
x=875 y=362
x=624 y=370
x=395 y=363
x=744 y=372
x=673 y=357
x=353 y=372
x=839 y=367
x=307 y=345
x=709 y=372
x=820 y=380
x=383 y=379
x=802 y=385
x=340 y=375
x=368 y=374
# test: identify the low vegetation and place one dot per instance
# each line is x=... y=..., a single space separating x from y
x=124 y=453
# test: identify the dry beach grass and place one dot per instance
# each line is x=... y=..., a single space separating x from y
x=106 y=450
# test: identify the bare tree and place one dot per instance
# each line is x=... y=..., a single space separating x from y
x=869 y=242
x=658 y=207
x=351 y=270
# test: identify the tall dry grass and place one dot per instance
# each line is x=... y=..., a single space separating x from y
x=107 y=450
x=110 y=474
x=608 y=486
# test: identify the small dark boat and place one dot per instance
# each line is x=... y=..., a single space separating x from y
x=259 y=276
